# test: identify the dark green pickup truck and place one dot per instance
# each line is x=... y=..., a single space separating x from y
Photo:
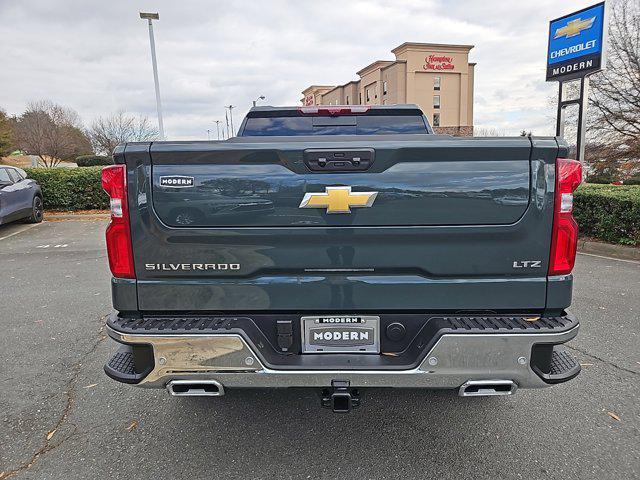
x=342 y=247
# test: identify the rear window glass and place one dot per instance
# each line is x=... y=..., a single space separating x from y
x=341 y=125
x=374 y=125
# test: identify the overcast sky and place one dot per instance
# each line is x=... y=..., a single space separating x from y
x=93 y=55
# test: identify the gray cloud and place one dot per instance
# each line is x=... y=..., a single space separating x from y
x=94 y=55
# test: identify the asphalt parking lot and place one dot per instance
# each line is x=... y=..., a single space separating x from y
x=62 y=418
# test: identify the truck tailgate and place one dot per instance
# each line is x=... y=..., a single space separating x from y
x=454 y=224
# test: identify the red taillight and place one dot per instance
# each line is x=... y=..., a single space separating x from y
x=564 y=240
x=334 y=110
x=119 y=250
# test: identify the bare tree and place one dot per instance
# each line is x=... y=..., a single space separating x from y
x=52 y=132
x=615 y=95
x=108 y=132
x=488 y=132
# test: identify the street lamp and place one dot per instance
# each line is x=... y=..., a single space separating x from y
x=218 y=128
x=150 y=17
x=261 y=97
x=231 y=107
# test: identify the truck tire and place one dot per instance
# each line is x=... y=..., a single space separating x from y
x=37 y=210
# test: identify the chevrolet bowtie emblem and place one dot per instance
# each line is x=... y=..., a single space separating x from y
x=338 y=199
x=574 y=27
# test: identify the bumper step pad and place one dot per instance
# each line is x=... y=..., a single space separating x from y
x=453 y=324
x=564 y=366
x=122 y=366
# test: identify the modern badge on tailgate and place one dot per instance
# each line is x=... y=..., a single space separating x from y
x=176 y=181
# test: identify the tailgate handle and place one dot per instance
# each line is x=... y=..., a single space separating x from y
x=331 y=161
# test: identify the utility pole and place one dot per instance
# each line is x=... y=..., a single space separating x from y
x=218 y=128
x=231 y=107
x=150 y=17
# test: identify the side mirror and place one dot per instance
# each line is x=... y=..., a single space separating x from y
x=5 y=183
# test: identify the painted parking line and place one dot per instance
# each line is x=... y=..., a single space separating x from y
x=24 y=229
x=610 y=258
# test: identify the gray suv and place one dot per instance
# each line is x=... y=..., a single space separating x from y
x=20 y=197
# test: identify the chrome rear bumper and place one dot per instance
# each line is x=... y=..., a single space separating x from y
x=455 y=359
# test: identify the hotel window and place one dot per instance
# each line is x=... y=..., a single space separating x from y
x=367 y=97
x=436 y=101
x=436 y=120
x=384 y=88
x=359 y=98
x=347 y=100
x=436 y=83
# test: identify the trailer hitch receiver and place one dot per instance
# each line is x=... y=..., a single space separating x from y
x=340 y=397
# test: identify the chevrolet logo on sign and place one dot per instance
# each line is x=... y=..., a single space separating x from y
x=574 y=27
x=338 y=199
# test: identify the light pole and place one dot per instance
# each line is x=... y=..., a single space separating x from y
x=231 y=107
x=218 y=128
x=208 y=134
x=150 y=17
x=261 y=97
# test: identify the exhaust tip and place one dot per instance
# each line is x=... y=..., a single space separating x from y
x=487 y=388
x=195 y=388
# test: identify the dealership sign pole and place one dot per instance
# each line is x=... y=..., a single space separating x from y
x=576 y=50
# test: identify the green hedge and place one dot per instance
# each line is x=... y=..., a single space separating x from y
x=609 y=212
x=635 y=180
x=601 y=179
x=93 y=160
x=71 y=188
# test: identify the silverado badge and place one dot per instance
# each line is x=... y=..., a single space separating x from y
x=338 y=199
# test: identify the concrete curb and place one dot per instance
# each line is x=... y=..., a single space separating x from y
x=83 y=216
x=609 y=250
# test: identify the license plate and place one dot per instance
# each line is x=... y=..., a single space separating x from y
x=341 y=334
